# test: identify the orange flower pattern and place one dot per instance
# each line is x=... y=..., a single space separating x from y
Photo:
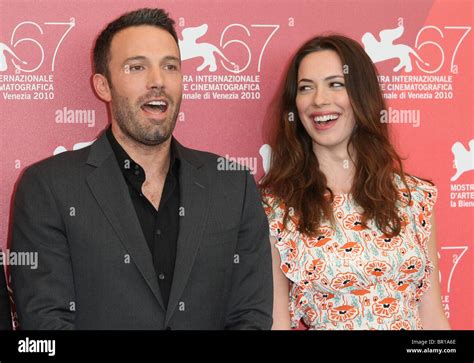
x=376 y=268
x=350 y=275
x=342 y=313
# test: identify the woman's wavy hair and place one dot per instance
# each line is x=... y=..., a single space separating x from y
x=294 y=175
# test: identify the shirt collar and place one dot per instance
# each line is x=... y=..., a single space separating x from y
x=128 y=165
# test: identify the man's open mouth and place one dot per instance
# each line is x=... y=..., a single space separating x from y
x=155 y=106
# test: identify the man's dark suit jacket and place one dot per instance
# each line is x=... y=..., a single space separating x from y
x=5 y=316
x=95 y=269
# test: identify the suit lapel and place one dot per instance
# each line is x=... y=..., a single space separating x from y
x=194 y=200
x=110 y=190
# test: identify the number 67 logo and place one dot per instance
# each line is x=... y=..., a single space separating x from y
x=191 y=47
x=16 y=42
x=455 y=259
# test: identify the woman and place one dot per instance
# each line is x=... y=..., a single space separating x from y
x=353 y=234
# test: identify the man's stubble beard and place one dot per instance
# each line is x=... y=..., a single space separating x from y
x=128 y=120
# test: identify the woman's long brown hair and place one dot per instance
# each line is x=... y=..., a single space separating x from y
x=295 y=176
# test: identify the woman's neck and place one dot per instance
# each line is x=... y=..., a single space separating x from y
x=337 y=166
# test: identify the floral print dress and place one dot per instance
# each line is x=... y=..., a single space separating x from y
x=354 y=277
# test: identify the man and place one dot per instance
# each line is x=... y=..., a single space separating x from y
x=137 y=231
x=5 y=317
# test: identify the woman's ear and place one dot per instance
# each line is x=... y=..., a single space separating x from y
x=102 y=88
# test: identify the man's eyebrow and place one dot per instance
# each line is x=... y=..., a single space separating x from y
x=142 y=58
x=135 y=58
x=171 y=58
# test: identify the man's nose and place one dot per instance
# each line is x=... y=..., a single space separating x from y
x=155 y=78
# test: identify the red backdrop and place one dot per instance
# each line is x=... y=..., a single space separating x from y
x=234 y=54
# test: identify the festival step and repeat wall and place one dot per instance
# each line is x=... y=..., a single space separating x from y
x=234 y=54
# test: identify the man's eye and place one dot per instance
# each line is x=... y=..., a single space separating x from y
x=135 y=68
x=171 y=67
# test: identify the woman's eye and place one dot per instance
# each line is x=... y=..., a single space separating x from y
x=337 y=84
x=303 y=88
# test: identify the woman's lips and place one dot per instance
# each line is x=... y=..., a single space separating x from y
x=324 y=121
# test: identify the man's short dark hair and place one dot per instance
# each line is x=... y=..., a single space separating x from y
x=145 y=16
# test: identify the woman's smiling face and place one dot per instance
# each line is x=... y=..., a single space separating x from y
x=322 y=101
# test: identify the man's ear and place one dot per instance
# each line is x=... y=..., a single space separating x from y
x=102 y=88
